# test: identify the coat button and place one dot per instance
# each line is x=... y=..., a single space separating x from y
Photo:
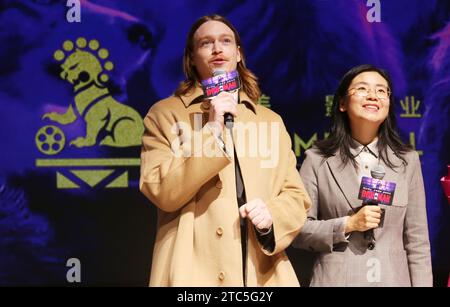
x=221 y=275
x=366 y=167
x=219 y=231
x=219 y=184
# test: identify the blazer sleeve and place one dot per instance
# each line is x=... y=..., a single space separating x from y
x=318 y=235
x=415 y=234
x=172 y=171
x=290 y=206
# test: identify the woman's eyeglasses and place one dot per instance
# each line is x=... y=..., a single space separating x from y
x=362 y=90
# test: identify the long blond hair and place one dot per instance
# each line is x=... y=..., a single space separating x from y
x=249 y=82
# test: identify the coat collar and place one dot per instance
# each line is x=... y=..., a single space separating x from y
x=346 y=176
x=196 y=96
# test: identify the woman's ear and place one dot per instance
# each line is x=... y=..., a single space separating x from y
x=342 y=106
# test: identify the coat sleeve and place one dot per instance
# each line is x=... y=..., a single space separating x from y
x=290 y=206
x=172 y=170
x=317 y=235
x=415 y=234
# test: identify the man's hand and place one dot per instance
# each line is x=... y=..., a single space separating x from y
x=223 y=103
x=256 y=210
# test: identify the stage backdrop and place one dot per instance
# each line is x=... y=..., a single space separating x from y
x=70 y=209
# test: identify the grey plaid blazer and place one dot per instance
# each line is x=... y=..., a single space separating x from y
x=402 y=253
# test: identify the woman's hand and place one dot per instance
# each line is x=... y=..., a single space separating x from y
x=368 y=217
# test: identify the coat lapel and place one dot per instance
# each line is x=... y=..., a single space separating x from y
x=246 y=163
x=346 y=178
x=395 y=175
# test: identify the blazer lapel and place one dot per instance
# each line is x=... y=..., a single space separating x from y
x=395 y=175
x=391 y=174
x=346 y=178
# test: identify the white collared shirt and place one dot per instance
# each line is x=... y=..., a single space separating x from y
x=366 y=157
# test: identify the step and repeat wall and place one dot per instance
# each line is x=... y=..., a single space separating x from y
x=70 y=207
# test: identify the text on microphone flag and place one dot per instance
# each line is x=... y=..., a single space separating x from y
x=376 y=191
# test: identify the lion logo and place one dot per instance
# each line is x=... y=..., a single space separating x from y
x=84 y=65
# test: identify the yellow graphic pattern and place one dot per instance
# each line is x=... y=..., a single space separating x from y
x=86 y=66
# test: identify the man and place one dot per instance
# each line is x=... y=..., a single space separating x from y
x=229 y=200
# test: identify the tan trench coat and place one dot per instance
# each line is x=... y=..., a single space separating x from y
x=198 y=233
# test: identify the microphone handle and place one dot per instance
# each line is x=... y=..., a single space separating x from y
x=228 y=119
x=369 y=234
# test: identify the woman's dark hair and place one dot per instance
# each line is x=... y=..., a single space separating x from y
x=340 y=137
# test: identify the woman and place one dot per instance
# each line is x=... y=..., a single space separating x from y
x=363 y=137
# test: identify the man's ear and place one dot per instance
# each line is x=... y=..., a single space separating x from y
x=238 y=54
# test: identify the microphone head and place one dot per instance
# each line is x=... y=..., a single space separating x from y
x=218 y=72
x=378 y=172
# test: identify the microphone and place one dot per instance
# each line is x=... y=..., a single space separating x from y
x=228 y=117
x=373 y=191
x=219 y=82
x=377 y=172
